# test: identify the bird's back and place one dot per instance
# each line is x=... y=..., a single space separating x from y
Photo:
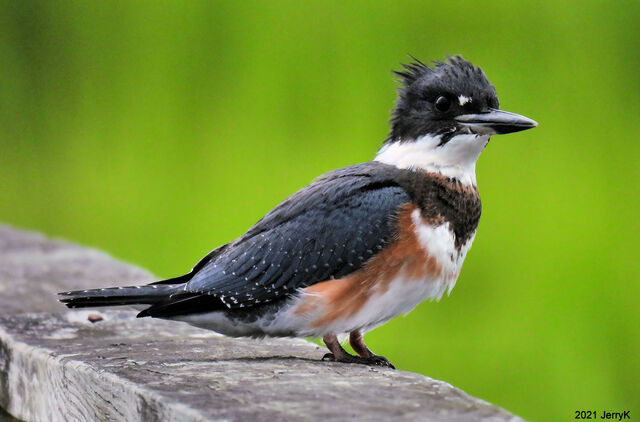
x=338 y=228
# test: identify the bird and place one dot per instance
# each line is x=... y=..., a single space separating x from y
x=358 y=246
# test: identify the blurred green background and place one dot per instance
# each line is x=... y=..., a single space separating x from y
x=159 y=130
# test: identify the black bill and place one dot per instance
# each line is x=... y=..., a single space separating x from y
x=495 y=122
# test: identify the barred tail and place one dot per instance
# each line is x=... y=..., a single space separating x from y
x=114 y=296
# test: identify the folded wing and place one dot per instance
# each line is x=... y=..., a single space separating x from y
x=327 y=230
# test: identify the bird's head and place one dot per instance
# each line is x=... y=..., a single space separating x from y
x=444 y=117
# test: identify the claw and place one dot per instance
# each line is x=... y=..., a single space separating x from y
x=365 y=356
x=380 y=361
x=329 y=357
x=374 y=360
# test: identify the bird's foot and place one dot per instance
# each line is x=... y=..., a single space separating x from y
x=373 y=360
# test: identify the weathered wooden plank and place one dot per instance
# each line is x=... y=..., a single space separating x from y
x=58 y=366
x=34 y=268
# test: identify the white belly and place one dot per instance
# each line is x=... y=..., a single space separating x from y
x=404 y=292
x=401 y=295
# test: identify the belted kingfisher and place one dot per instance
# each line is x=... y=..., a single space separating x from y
x=358 y=246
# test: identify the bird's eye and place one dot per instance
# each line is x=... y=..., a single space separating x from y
x=442 y=104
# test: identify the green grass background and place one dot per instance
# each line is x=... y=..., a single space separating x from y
x=160 y=130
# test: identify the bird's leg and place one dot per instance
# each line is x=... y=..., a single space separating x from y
x=338 y=354
x=357 y=343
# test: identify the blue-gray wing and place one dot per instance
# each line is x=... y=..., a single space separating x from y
x=327 y=230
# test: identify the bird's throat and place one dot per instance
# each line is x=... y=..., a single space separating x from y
x=455 y=158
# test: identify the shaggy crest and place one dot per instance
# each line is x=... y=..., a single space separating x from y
x=454 y=66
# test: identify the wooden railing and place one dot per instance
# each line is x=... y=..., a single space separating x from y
x=57 y=365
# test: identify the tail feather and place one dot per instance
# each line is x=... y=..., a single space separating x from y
x=113 y=296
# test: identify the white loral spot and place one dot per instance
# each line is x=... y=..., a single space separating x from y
x=464 y=100
x=456 y=158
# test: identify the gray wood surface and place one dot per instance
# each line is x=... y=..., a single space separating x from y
x=55 y=365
